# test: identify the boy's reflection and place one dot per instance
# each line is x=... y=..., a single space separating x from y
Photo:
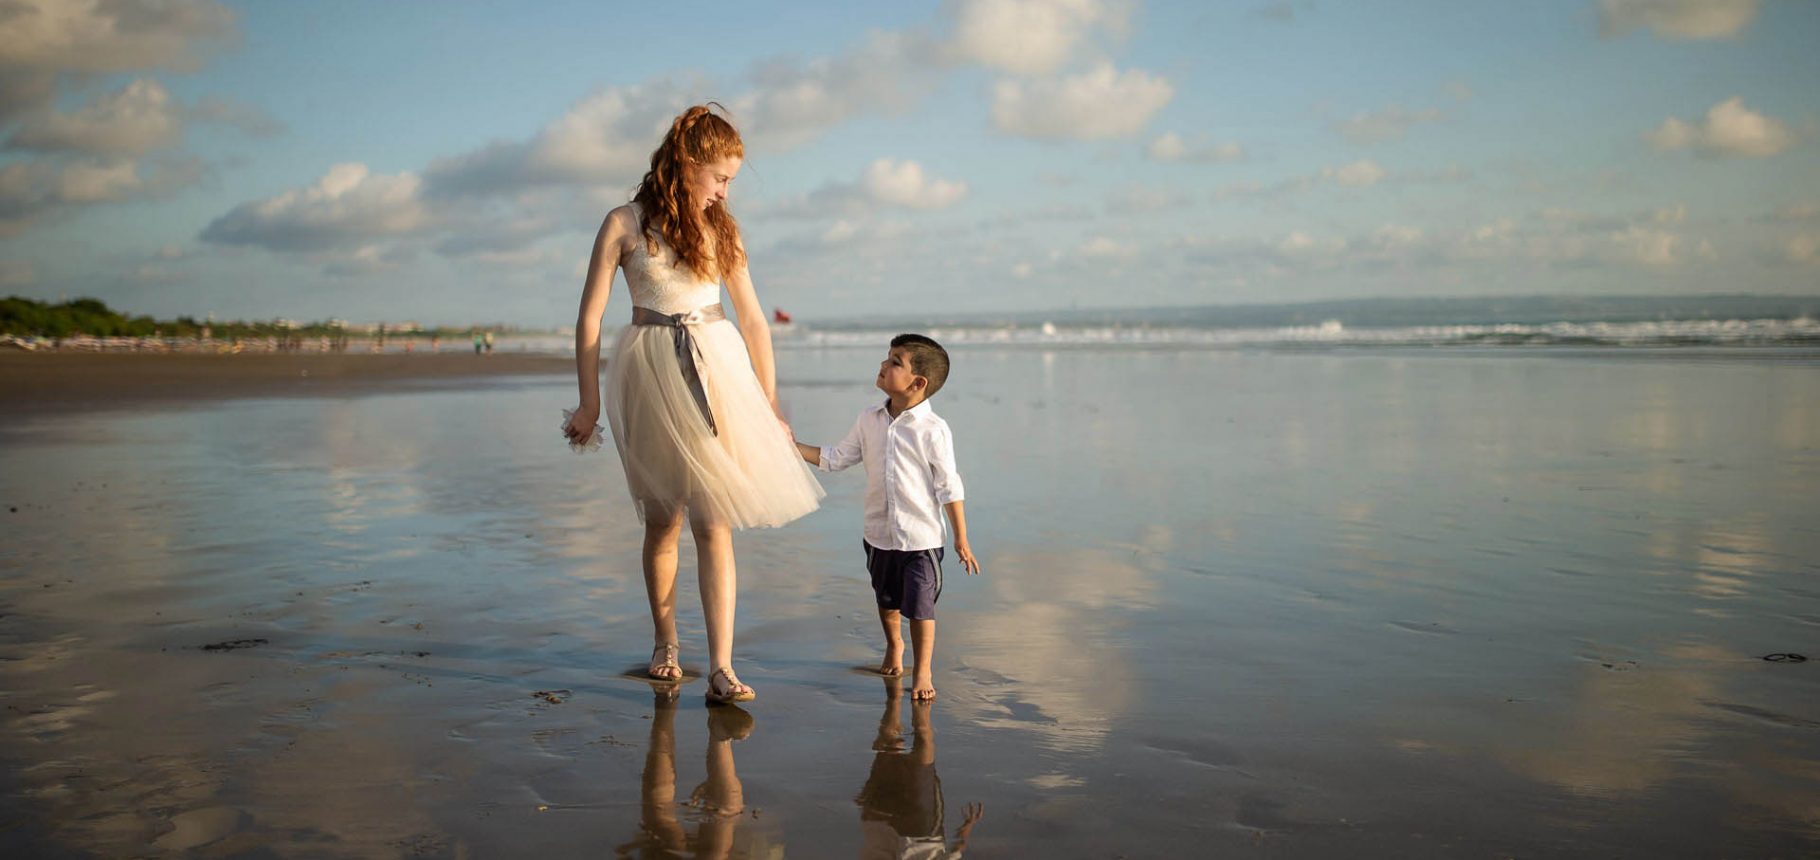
x=901 y=813
x=717 y=802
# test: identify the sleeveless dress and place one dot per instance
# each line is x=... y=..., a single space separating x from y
x=743 y=470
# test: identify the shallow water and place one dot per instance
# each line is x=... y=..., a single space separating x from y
x=1423 y=604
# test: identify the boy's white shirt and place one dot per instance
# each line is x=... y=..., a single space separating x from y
x=910 y=474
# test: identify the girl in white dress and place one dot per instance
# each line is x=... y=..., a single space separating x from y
x=691 y=398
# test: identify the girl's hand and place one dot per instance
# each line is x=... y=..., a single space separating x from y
x=581 y=424
x=779 y=413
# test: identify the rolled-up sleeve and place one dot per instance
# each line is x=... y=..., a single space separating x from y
x=944 y=477
x=845 y=453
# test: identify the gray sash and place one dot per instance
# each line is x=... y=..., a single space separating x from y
x=686 y=350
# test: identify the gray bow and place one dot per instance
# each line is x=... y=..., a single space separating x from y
x=686 y=350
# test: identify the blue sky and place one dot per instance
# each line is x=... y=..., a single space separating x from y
x=448 y=163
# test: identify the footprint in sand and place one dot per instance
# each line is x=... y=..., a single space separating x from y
x=200 y=827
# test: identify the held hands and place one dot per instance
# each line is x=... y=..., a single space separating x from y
x=788 y=431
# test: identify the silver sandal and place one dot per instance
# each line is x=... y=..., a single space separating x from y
x=734 y=691
x=669 y=652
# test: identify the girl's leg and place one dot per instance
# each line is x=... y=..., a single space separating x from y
x=719 y=583
x=663 y=526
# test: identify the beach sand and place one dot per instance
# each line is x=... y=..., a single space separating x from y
x=32 y=381
x=1347 y=603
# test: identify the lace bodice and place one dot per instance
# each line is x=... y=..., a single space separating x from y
x=657 y=283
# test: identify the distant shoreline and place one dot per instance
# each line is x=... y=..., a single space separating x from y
x=46 y=381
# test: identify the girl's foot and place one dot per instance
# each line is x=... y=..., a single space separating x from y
x=924 y=690
x=724 y=687
x=663 y=662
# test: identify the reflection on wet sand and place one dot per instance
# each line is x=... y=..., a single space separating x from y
x=902 y=812
x=1056 y=668
x=716 y=806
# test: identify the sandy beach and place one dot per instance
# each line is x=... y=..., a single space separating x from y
x=1235 y=603
x=63 y=380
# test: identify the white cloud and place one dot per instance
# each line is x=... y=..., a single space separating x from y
x=1646 y=246
x=345 y=210
x=903 y=184
x=369 y=259
x=605 y=138
x=1729 y=130
x=1391 y=123
x=885 y=184
x=137 y=119
x=1565 y=237
x=1396 y=235
x=1138 y=199
x=96 y=153
x=246 y=118
x=1103 y=247
x=1298 y=244
x=1277 y=10
x=1030 y=37
x=1099 y=103
x=31 y=190
x=15 y=274
x=1358 y=174
x=111 y=36
x=793 y=103
x=96 y=182
x=1798 y=212
x=1171 y=147
x=1676 y=19
x=1803 y=249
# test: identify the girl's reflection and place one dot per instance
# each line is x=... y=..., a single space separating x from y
x=717 y=802
x=901 y=813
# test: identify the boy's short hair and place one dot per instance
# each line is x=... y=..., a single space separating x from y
x=927 y=359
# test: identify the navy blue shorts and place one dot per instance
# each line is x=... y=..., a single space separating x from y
x=908 y=581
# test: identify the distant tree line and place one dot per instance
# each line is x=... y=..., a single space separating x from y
x=27 y=318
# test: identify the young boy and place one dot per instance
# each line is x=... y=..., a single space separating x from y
x=909 y=457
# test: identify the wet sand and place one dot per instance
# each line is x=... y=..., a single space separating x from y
x=81 y=380
x=1234 y=604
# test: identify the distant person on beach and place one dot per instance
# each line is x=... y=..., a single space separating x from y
x=480 y=343
x=488 y=341
x=901 y=810
x=908 y=451
x=691 y=398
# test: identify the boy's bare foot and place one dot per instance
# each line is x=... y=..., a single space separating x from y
x=924 y=690
x=893 y=664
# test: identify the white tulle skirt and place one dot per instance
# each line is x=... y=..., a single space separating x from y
x=749 y=475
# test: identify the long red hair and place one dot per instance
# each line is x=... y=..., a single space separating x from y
x=697 y=137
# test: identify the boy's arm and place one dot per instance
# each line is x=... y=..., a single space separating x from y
x=957 y=518
x=950 y=493
x=839 y=456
